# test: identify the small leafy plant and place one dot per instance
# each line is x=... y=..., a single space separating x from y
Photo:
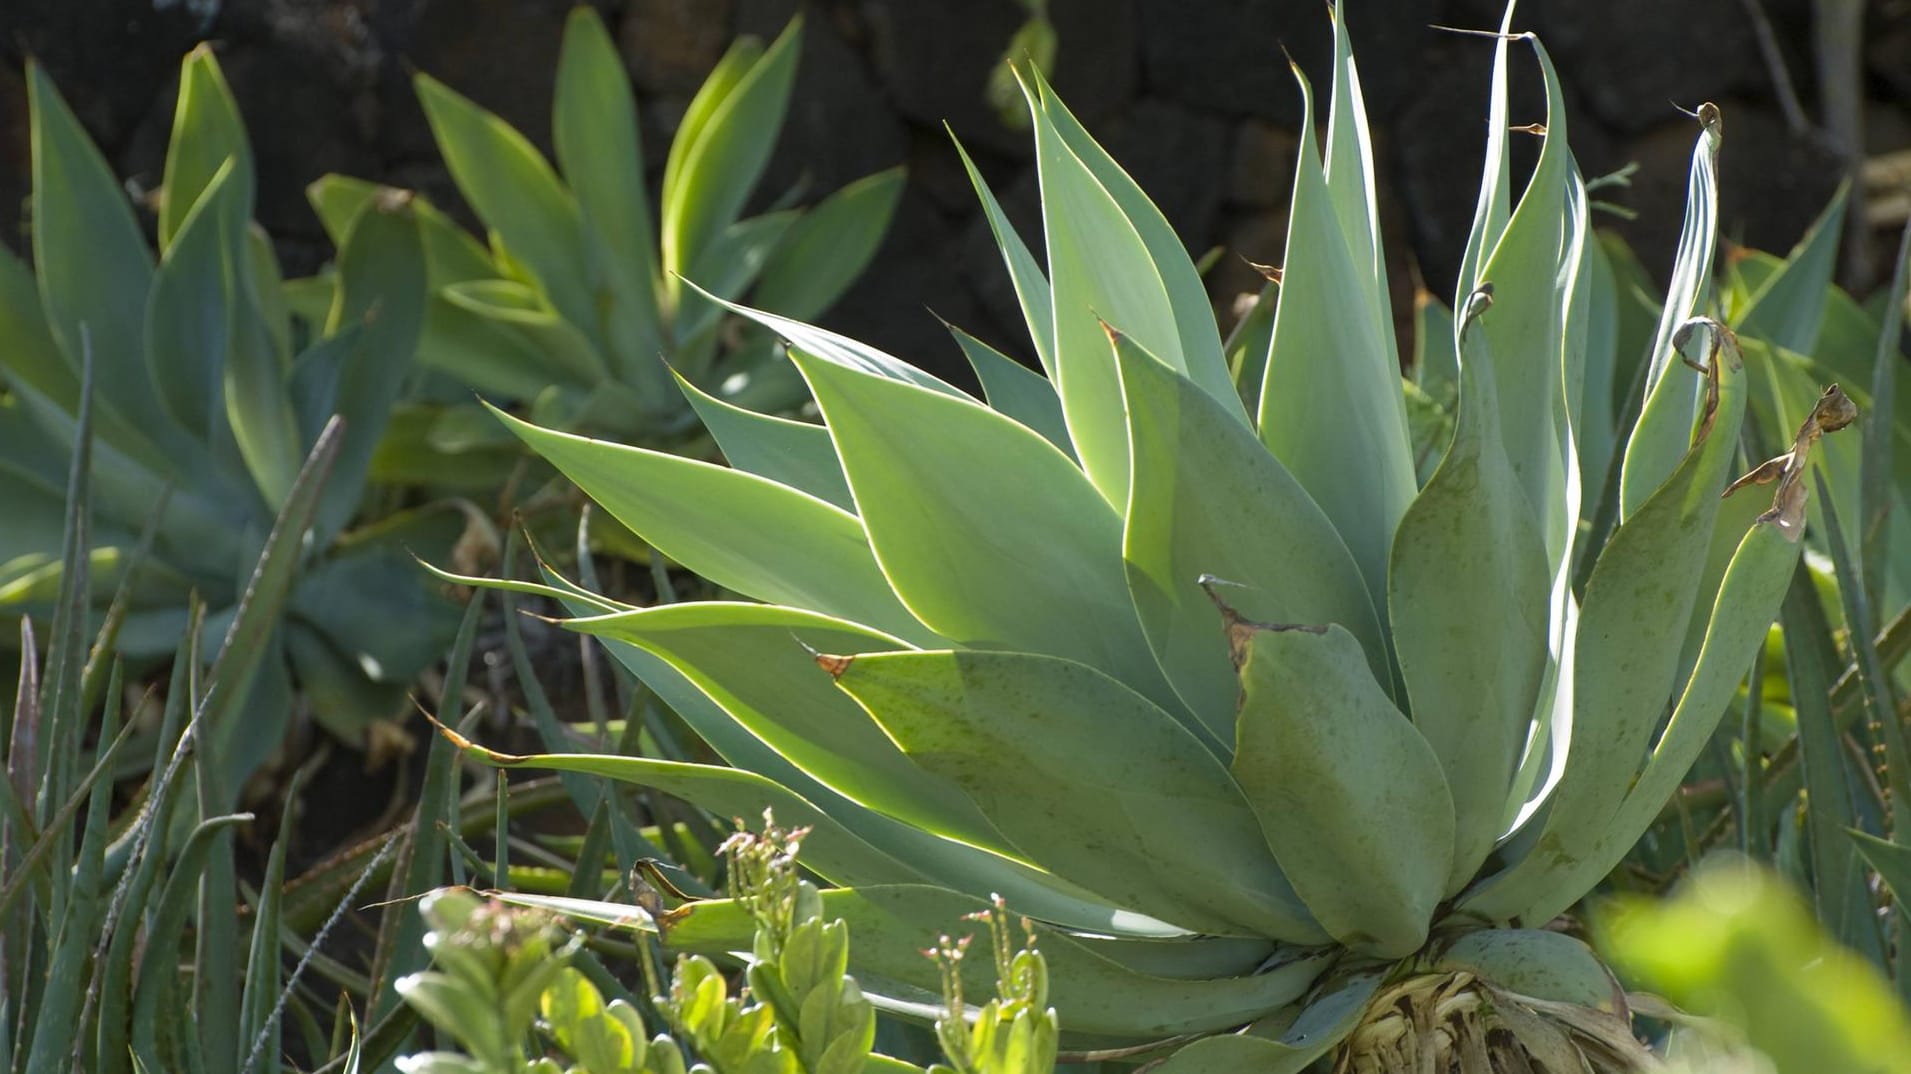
x=578 y=308
x=502 y=989
x=210 y=393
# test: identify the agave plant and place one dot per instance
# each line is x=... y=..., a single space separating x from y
x=1186 y=662
x=210 y=394
x=578 y=308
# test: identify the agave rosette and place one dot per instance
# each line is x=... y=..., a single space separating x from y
x=1184 y=661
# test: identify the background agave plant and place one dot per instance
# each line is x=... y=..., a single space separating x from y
x=211 y=392
x=578 y=307
x=1183 y=658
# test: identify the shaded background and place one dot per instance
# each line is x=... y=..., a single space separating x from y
x=1192 y=96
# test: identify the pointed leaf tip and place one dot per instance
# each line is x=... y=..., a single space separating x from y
x=835 y=665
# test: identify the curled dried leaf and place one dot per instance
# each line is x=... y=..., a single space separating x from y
x=1833 y=411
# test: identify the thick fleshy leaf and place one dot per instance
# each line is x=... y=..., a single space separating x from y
x=1672 y=400
x=1625 y=658
x=1789 y=305
x=594 y=130
x=840 y=350
x=726 y=268
x=829 y=246
x=1528 y=268
x=251 y=641
x=1016 y=391
x=537 y=330
x=207 y=132
x=1100 y=270
x=1748 y=600
x=1331 y=408
x=1596 y=432
x=1089 y=780
x=31 y=355
x=1472 y=667
x=451 y=255
x=1198 y=355
x=724 y=143
x=1349 y=169
x=251 y=380
x=381 y=293
x=94 y=270
x=517 y=195
x=889 y=924
x=988 y=534
x=1025 y=273
x=752 y=535
x=755 y=660
x=1349 y=794
x=946 y=862
x=1207 y=499
x=794 y=453
x=190 y=318
x=1495 y=203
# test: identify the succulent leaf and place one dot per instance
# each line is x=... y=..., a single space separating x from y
x=1089 y=780
x=1350 y=796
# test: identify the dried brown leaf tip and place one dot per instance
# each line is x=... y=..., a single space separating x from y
x=1833 y=411
x=1272 y=273
x=1724 y=342
x=1240 y=628
x=835 y=665
x=504 y=760
x=831 y=663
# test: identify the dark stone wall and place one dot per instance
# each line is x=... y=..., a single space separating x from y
x=1193 y=96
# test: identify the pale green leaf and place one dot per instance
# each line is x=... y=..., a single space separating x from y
x=829 y=246
x=743 y=532
x=757 y=661
x=988 y=534
x=1331 y=408
x=594 y=128
x=1672 y=399
x=1528 y=268
x=723 y=145
x=1624 y=663
x=1354 y=807
x=1198 y=353
x=794 y=453
x=94 y=273
x=1025 y=273
x=1349 y=169
x=514 y=191
x=1016 y=391
x=1472 y=667
x=207 y=131
x=1102 y=272
x=1207 y=499
x=1089 y=780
